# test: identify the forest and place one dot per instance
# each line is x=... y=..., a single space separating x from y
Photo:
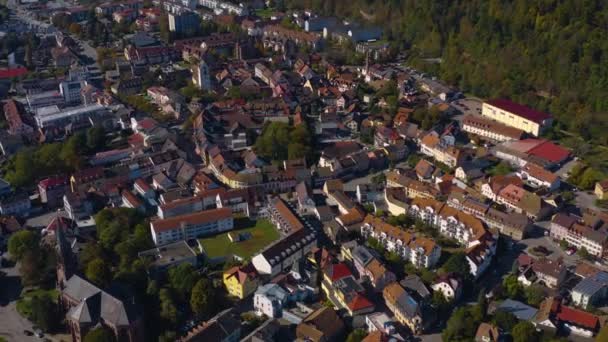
x=549 y=54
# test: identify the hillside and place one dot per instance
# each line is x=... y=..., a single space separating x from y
x=550 y=54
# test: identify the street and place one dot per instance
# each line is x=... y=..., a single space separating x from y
x=12 y=324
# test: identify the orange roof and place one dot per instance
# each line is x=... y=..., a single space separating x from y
x=202 y=217
x=359 y=302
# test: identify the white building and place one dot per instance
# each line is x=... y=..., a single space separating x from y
x=283 y=253
x=269 y=300
x=190 y=226
x=49 y=116
x=591 y=290
x=200 y=76
x=70 y=90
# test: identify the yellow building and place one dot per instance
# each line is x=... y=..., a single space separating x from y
x=241 y=281
x=516 y=115
x=601 y=190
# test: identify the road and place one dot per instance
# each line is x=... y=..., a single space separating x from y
x=12 y=324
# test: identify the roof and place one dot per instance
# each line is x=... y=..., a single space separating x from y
x=540 y=173
x=242 y=273
x=424 y=169
x=396 y=295
x=337 y=271
x=206 y=216
x=95 y=304
x=520 y=110
x=520 y=310
x=591 y=285
x=483 y=123
x=322 y=322
x=487 y=332
x=286 y=214
x=281 y=249
x=217 y=328
x=578 y=317
x=11 y=73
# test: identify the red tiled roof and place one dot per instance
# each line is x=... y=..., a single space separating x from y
x=212 y=215
x=578 y=317
x=10 y=73
x=53 y=181
x=550 y=151
x=337 y=271
x=359 y=302
x=520 y=110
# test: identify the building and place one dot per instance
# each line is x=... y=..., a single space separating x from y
x=201 y=76
x=52 y=189
x=283 y=217
x=241 y=281
x=223 y=327
x=17 y=204
x=551 y=273
x=493 y=130
x=577 y=233
x=53 y=116
x=184 y=22
x=343 y=290
x=406 y=309
x=539 y=151
x=539 y=177
x=270 y=299
x=419 y=251
x=172 y=254
x=517 y=115
x=13 y=113
x=601 y=190
x=554 y=315
x=432 y=146
x=282 y=254
x=514 y=225
x=523 y=201
x=70 y=90
x=487 y=332
x=191 y=226
x=321 y=325
x=449 y=285
x=88 y=306
x=592 y=290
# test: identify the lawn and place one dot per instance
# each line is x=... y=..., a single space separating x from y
x=23 y=304
x=262 y=233
x=265 y=13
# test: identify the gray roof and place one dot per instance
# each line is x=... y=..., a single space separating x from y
x=590 y=285
x=413 y=283
x=520 y=310
x=94 y=304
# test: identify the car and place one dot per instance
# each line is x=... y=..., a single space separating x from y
x=28 y=333
x=571 y=250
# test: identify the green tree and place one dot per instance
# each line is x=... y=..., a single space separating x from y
x=99 y=335
x=44 y=313
x=461 y=326
x=534 y=294
x=356 y=335
x=98 y=272
x=504 y=320
x=168 y=309
x=524 y=331
x=512 y=287
x=457 y=263
x=22 y=242
x=96 y=138
x=201 y=300
x=182 y=279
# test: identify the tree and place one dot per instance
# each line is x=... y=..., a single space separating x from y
x=513 y=288
x=182 y=279
x=99 y=335
x=99 y=273
x=583 y=253
x=457 y=263
x=460 y=326
x=22 y=242
x=201 y=300
x=524 y=331
x=505 y=320
x=356 y=335
x=534 y=294
x=44 y=313
x=168 y=309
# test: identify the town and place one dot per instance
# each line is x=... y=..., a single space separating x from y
x=185 y=170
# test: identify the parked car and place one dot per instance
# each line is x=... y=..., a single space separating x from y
x=571 y=250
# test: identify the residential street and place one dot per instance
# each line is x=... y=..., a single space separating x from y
x=12 y=324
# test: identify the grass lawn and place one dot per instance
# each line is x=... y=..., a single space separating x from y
x=262 y=233
x=24 y=303
x=265 y=13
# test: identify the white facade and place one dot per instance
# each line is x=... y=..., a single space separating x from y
x=188 y=230
x=283 y=253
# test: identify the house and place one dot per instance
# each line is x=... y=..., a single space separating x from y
x=493 y=185
x=551 y=273
x=449 y=285
x=282 y=254
x=241 y=281
x=523 y=201
x=129 y=200
x=341 y=287
x=306 y=203
x=270 y=299
x=88 y=306
x=601 y=190
x=63 y=57
x=424 y=170
x=514 y=225
x=480 y=257
x=591 y=290
x=14 y=115
x=223 y=327
x=520 y=310
x=578 y=233
x=407 y=311
x=516 y=115
x=539 y=177
x=433 y=146
x=468 y=172
x=321 y=325
x=487 y=332
x=127 y=87
x=372 y=269
x=282 y=216
x=52 y=189
x=490 y=129
x=553 y=314
x=419 y=251
x=190 y=226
